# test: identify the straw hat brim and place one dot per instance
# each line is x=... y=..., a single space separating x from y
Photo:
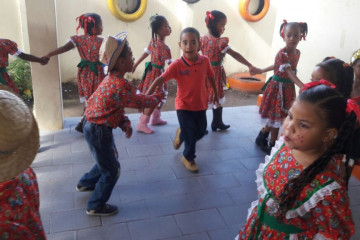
x=15 y=162
x=119 y=49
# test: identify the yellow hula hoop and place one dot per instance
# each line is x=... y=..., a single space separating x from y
x=244 y=10
x=116 y=11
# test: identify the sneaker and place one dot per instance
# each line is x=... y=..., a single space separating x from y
x=80 y=188
x=177 y=140
x=106 y=210
x=190 y=165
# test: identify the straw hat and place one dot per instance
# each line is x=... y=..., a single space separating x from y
x=19 y=135
x=111 y=49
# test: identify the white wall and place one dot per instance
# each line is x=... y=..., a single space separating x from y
x=333 y=26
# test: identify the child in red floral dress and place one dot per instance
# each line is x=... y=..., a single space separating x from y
x=160 y=54
x=301 y=192
x=90 y=70
x=280 y=89
x=9 y=47
x=105 y=112
x=215 y=47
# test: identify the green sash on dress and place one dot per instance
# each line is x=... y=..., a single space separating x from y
x=92 y=65
x=2 y=80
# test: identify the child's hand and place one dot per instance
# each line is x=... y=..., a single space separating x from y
x=254 y=70
x=44 y=60
x=128 y=132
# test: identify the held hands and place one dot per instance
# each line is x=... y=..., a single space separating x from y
x=44 y=60
x=254 y=70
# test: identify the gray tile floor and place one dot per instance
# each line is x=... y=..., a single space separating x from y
x=157 y=197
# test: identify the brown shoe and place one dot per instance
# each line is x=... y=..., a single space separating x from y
x=190 y=165
x=177 y=140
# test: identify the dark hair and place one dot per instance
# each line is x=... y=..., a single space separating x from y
x=156 y=23
x=125 y=50
x=332 y=108
x=212 y=21
x=302 y=25
x=89 y=26
x=190 y=30
x=341 y=74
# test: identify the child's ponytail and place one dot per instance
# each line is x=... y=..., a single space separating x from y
x=211 y=19
x=156 y=22
x=88 y=22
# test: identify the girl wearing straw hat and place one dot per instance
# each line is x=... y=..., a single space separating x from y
x=104 y=112
x=19 y=192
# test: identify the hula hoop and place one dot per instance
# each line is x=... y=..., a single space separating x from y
x=259 y=14
x=116 y=11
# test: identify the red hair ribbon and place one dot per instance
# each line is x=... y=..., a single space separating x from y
x=85 y=19
x=208 y=16
x=352 y=106
x=282 y=30
x=316 y=83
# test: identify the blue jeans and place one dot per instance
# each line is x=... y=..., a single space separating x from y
x=105 y=173
x=193 y=127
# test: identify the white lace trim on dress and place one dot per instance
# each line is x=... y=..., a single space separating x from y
x=313 y=201
x=147 y=51
x=19 y=51
x=271 y=123
x=225 y=49
x=283 y=66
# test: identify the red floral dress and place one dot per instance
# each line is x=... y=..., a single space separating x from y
x=106 y=105
x=90 y=72
x=215 y=49
x=321 y=212
x=19 y=208
x=279 y=96
x=7 y=47
x=160 y=54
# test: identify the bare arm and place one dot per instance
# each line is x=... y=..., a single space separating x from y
x=67 y=47
x=157 y=82
x=294 y=78
x=238 y=57
x=139 y=61
x=269 y=68
x=32 y=58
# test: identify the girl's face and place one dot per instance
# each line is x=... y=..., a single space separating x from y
x=319 y=73
x=190 y=46
x=220 y=26
x=292 y=36
x=304 y=129
x=98 y=28
x=165 y=29
x=356 y=68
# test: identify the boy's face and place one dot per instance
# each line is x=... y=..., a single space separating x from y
x=190 y=45
x=125 y=64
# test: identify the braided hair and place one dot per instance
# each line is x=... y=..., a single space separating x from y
x=332 y=108
x=341 y=74
x=302 y=25
x=88 y=22
x=156 y=22
x=211 y=19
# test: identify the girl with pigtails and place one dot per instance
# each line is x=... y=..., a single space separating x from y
x=90 y=70
x=160 y=54
x=302 y=194
x=280 y=88
x=215 y=47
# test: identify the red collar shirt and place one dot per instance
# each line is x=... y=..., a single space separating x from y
x=191 y=78
x=106 y=105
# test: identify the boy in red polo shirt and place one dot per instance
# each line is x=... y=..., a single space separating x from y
x=191 y=72
x=104 y=112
